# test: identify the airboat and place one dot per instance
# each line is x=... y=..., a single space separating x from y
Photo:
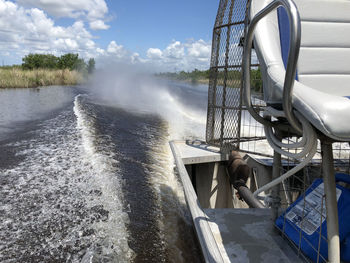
x=271 y=181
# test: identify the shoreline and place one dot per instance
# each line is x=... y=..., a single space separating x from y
x=191 y=81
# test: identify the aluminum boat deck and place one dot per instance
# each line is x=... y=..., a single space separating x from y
x=226 y=234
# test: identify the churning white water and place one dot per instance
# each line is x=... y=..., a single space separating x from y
x=100 y=161
x=93 y=180
x=64 y=201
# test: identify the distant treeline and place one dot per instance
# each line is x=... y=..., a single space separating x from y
x=233 y=77
x=67 y=61
x=193 y=76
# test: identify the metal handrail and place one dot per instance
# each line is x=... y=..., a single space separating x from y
x=294 y=46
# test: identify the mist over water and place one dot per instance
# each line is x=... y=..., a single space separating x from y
x=183 y=106
x=180 y=111
x=93 y=179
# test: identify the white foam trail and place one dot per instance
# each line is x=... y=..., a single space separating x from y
x=104 y=168
x=48 y=170
x=64 y=197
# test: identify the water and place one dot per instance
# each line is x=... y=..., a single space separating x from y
x=86 y=178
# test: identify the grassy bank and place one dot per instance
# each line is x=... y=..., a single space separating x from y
x=20 y=78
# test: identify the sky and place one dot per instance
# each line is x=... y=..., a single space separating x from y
x=161 y=35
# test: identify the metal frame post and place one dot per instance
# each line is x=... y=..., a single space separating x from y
x=215 y=49
x=331 y=203
x=227 y=53
x=276 y=172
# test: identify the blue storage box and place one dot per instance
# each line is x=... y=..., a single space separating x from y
x=310 y=220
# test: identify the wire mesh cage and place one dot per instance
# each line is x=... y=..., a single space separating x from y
x=231 y=127
x=224 y=96
x=228 y=121
x=229 y=124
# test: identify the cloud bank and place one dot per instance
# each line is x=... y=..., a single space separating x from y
x=94 y=11
x=28 y=26
x=181 y=56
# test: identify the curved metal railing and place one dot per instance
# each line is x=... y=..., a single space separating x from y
x=295 y=37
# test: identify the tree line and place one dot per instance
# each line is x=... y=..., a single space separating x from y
x=193 y=76
x=67 y=61
x=233 y=77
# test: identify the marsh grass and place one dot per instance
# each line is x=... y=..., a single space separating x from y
x=19 y=78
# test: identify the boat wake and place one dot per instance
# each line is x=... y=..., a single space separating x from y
x=95 y=181
x=99 y=159
x=63 y=201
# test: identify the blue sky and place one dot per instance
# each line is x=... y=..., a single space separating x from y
x=165 y=35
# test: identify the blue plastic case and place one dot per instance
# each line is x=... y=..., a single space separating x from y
x=306 y=216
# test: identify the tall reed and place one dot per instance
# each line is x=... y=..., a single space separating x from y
x=19 y=78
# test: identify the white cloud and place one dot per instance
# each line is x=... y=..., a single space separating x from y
x=199 y=49
x=94 y=11
x=31 y=30
x=136 y=59
x=100 y=51
x=154 y=53
x=180 y=56
x=175 y=50
x=25 y=30
x=114 y=48
x=98 y=25
x=89 y=44
x=66 y=44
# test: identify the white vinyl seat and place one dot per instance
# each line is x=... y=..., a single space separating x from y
x=322 y=87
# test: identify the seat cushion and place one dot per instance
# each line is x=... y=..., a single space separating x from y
x=323 y=65
x=329 y=113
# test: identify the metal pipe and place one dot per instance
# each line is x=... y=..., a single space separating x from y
x=286 y=175
x=247 y=195
x=276 y=173
x=293 y=55
x=331 y=203
x=295 y=37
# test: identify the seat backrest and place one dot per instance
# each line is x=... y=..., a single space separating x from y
x=324 y=59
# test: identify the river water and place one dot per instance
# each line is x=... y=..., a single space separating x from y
x=87 y=175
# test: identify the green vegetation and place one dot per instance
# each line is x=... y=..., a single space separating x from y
x=16 y=77
x=91 y=66
x=34 y=61
x=46 y=69
x=233 y=77
x=256 y=80
x=67 y=61
x=195 y=76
